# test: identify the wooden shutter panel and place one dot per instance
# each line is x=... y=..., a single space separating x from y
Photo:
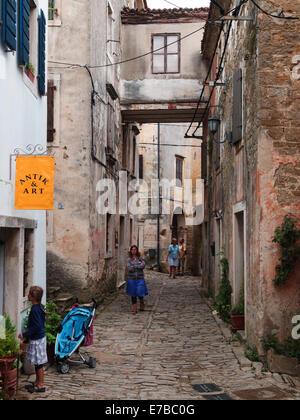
x=9 y=22
x=204 y=160
x=237 y=116
x=24 y=32
x=141 y=167
x=50 y=108
x=42 y=54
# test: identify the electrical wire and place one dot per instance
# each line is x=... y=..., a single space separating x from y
x=274 y=16
x=170 y=145
x=220 y=67
x=133 y=58
x=208 y=75
x=220 y=70
x=172 y=4
x=147 y=53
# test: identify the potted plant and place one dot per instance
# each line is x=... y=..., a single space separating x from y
x=223 y=300
x=238 y=314
x=11 y=381
x=30 y=72
x=53 y=321
x=9 y=352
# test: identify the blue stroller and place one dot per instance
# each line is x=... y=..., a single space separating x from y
x=72 y=334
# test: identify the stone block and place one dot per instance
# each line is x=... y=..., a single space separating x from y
x=282 y=364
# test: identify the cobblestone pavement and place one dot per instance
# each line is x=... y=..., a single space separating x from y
x=158 y=354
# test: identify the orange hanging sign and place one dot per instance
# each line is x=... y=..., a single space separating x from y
x=34 y=183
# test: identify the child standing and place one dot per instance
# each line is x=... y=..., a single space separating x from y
x=37 y=350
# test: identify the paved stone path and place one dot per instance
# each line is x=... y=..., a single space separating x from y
x=157 y=354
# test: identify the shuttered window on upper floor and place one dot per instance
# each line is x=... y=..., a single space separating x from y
x=42 y=54
x=237 y=111
x=50 y=111
x=8 y=17
x=24 y=33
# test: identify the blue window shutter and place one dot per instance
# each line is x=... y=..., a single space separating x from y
x=24 y=31
x=42 y=54
x=9 y=27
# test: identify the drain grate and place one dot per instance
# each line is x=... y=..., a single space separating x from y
x=219 y=397
x=206 y=388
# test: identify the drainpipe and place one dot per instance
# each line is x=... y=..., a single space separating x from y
x=159 y=202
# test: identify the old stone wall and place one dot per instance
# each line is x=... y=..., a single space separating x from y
x=278 y=157
x=252 y=185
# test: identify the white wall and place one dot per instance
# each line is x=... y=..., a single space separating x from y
x=23 y=121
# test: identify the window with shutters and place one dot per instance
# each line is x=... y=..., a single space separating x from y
x=125 y=147
x=204 y=161
x=179 y=171
x=29 y=45
x=141 y=167
x=166 y=53
x=25 y=16
x=133 y=155
x=50 y=111
x=237 y=111
x=53 y=109
x=111 y=128
x=8 y=17
x=109 y=235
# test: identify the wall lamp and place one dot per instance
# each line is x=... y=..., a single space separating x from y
x=214 y=124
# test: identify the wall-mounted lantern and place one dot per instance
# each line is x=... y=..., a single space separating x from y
x=214 y=124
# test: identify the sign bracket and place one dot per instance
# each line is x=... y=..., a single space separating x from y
x=37 y=150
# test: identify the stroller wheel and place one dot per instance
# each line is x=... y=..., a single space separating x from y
x=63 y=368
x=92 y=363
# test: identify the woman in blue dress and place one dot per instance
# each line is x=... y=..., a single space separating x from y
x=136 y=285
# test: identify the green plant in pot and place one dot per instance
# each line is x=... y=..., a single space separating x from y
x=238 y=314
x=223 y=300
x=53 y=321
x=9 y=345
x=9 y=352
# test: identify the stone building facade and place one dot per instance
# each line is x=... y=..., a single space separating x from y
x=90 y=142
x=252 y=164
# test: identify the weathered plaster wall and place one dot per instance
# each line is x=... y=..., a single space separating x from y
x=67 y=260
x=138 y=82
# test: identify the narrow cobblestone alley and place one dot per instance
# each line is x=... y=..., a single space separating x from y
x=158 y=354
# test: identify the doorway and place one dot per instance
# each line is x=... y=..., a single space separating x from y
x=239 y=235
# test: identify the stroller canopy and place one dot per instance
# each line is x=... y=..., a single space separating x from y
x=73 y=331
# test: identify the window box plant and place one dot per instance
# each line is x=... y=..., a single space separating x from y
x=30 y=72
